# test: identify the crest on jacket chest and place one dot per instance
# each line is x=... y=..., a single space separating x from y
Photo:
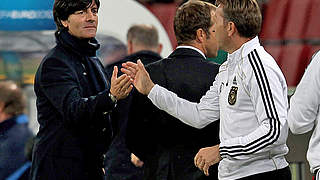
x=232 y=98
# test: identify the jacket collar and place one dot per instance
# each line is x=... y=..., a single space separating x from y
x=194 y=48
x=7 y=124
x=244 y=50
x=145 y=53
x=82 y=47
x=182 y=51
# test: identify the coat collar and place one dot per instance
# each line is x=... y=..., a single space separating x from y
x=82 y=47
x=7 y=124
x=186 y=52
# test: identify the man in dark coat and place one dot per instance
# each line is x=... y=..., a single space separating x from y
x=74 y=99
x=165 y=145
x=142 y=43
x=14 y=131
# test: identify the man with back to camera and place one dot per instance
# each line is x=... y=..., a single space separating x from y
x=14 y=131
x=143 y=43
x=304 y=113
x=249 y=96
x=162 y=143
x=74 y=99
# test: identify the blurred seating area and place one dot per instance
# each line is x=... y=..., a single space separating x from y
x=291 y=34
x=290 y=31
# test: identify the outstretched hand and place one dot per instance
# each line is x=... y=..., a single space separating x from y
x=207 y=157
x=120 y=86
x=139 y=75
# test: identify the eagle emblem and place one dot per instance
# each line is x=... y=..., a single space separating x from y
x=232 y=98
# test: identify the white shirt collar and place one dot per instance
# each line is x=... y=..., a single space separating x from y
x=194 y=48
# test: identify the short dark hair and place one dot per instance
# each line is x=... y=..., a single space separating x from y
x=191 y=16
x=62 y=9
x=245 y=14
x=146 y=35
x=12 y=97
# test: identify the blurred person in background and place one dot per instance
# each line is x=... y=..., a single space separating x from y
x=304 y=112
x=14 y=131
x=111 y=50
x=74 y=99
x=164 y=146
x=142 y=43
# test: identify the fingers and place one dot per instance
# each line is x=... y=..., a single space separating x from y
x=128 y=90
x=141 y=66
x=198 y=163
x=201 y=164
x=114 y=73
x=202 y=161
x=196 y=159
x=130 y=68
x=206 y=169
x=129 y=71
x=123 y=81
x=136 y=161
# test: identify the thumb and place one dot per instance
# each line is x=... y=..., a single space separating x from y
x=140 y=65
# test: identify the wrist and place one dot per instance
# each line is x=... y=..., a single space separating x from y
x=113 y=98
x=150 y=88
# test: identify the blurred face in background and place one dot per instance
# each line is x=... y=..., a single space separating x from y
x=83 y=24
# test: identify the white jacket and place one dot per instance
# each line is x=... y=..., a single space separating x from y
x=304 y=110
x=249 y=96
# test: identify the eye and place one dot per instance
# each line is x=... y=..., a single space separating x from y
x=94 y=10
x=79 y=12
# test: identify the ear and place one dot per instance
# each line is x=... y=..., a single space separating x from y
x=64 y=23
x=231 y=28
x=200 y=35
x=129 y=47
x=1 y=106
x=159 y=49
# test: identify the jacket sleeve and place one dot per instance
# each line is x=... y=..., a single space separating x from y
x=268 y=95
x=197 y=115
x=58 y=81
x=304 y=105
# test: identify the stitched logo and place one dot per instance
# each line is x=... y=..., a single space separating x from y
x=232 y=98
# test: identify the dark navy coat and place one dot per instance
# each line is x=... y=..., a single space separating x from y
x=166 y=145
x=73 y=111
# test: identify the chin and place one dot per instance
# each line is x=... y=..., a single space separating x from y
x=91 y=35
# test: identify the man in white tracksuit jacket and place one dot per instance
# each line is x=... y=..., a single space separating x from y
x=304 y=112
x=249 y=96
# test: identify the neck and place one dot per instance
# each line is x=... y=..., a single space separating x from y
x=196 y=45
x=236 y=44
x=141 y=48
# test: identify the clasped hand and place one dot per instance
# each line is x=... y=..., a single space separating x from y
x=207 y=157
x=139 y=75
x=120 y=86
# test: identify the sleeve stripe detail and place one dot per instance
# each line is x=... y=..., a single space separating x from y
x=270 y=109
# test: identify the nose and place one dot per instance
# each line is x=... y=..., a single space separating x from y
x=90 y=15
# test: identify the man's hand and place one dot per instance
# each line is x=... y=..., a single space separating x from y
x=120 y=86
x=136 y=161
x=139 y=75
x=207 y=157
